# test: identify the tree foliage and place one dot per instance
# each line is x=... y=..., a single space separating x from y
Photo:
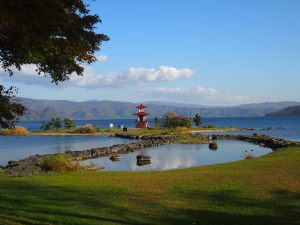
x=46 y=126
x=54 y=123
x=10 y=109
x=68 y=123
x=172 y=120
x=156 y=121
x=197 y=119
x=57 y=36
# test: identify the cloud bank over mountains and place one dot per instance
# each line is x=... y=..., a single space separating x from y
x=92 y=79
x=197 y=94
x=135 y=78
x=134 y=75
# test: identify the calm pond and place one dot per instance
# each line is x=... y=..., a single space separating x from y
x=19 y=147
x=176 y=156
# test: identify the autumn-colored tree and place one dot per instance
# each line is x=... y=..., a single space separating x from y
x=172 y=120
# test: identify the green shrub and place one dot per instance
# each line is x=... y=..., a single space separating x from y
x=211 y=125
x=18 y=130
x=249 y=156
x=59 y=163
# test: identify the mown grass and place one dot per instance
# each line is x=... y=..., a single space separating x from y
x=260 y=191
x=133 y=131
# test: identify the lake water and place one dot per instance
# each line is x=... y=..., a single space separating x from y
x=19 y=147
x=14 y=148
x=174 y=156
x=282 y=127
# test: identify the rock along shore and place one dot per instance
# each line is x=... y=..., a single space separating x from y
x=259 y=139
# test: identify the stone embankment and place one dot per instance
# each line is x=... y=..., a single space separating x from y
x=32 y=165
x=143 y=137
x=145 y=142
x=259 y=139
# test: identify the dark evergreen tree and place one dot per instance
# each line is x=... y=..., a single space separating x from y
x=156 y=121
x=68 y=123
x=56 y=123
x=197 y=120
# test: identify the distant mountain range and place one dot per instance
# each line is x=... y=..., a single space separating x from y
x=289 y=111
x=47 y=109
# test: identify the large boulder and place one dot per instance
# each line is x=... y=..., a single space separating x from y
x=143 y=158
x=213 y=146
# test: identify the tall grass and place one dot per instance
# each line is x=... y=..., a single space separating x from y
x=18 y=130
x=86 y=129
x=59 y=163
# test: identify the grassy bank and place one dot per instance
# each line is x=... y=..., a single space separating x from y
x=136 y=131
x=263 y=190
x=180 y=134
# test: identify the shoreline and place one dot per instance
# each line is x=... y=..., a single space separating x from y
x=32 y=164
x=66 y=134
x=114 y=131
x=231 y=129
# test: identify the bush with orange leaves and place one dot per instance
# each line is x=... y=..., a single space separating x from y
x=18 y=130
x=86 y=129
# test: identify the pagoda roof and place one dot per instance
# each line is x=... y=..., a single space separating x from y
x=141 y=106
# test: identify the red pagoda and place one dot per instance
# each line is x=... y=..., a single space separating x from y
x=141 y=119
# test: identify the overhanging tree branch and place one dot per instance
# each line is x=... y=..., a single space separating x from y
x=58 y=36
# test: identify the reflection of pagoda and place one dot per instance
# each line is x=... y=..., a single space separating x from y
x=141 y=119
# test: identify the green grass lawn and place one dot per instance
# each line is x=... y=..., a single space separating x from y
x=134 y=131
x=260 y=191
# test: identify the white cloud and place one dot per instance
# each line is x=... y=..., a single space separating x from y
x=134 y=75
x=194 y=95
x=27 y=75
x=92 y=79
x=163 y=73
x=101 y=58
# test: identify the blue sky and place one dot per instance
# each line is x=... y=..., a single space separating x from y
x=203 y=52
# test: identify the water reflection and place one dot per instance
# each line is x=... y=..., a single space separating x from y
x=143 y=163
x=143 y=159
x=176 y=156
